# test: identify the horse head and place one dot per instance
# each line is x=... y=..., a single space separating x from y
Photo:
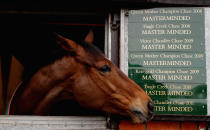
x=99 y=84
x=83 y=74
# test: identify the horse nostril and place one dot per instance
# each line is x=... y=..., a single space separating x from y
x=150 y=106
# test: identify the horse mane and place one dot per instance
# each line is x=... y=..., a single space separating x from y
x=91 y=49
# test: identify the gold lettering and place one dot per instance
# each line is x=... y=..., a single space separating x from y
x=162 y=87
x=181 y=109
x=180 y=77
x=180 y=93
x=179 y=46
x=153 y=31
x=160 y=26
x=133 y=56
x=165 y=102
x=146 y=86
x=154 y=77
x=148 y=26
x=160 y=108
x=186 y=55
x=171 y=56
x=150 y=11
x=161 y=40
x=180 y=71
x=173 y=26
x=166 y=18
x=147 y=77
x=139 y=71
x=151 y=56
x=153 y=47
x=174 y=86
x=160 y=71
x=145 y=41
x=154 y=92
x=176 y=40
x=171 y=11
x=178 y=31
x=167 y=63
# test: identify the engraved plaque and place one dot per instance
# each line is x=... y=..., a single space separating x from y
x=166 y=56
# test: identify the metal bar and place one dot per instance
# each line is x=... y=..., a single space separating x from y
x=114 y=39
x=108 y=37
x=124 y=41
x=207 y=34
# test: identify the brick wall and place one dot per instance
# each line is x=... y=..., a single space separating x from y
x=163 y=125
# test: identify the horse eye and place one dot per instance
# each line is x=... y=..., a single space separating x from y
x=105 y=68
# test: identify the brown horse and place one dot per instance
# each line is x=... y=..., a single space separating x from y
x=84 y=75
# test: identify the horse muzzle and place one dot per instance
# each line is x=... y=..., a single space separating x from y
x=150 y=106
x=143 y=117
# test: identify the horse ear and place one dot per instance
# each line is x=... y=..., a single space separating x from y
x=90 y=37
x=66 y=44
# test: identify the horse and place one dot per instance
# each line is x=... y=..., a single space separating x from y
x=84 y=75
